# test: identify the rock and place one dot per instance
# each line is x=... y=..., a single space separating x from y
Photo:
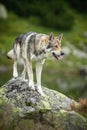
x=3 y=12
x=85 y=34
x=70 y=49
x=85 y=48
x=23 y=108
x=83 y=71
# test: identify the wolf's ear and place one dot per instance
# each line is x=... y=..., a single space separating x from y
x=51 y=37
x=60 y=37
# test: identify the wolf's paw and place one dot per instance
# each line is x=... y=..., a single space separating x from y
x=25 y=80
x=31 y=85
x=39 y=89
x=15 y=74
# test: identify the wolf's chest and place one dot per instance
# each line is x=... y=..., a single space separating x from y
x=34 y=57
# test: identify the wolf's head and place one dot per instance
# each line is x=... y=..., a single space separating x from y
x=54 y=46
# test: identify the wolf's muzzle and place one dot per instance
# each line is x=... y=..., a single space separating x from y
x=58 y=57
x=62 y=53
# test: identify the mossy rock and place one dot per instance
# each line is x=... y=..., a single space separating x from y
x=23 y=108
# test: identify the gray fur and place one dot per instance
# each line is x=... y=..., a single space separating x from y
x=34 y=46
x=31 y=43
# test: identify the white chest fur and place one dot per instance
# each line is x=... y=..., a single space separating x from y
x=38 y=57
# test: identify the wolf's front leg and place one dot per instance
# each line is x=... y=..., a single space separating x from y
x=30 y=74
x=39 y=66
x=15 y=72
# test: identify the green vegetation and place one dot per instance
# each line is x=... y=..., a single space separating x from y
x=55 y=73
x=49 y=13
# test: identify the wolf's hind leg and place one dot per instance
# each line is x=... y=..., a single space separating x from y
x=39 y=66
x=15 y=72
x=30 y=74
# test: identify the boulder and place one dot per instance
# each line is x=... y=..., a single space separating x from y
x=23 y=108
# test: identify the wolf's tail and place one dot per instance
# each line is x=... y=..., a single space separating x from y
x=11 y=54
x=14 y=53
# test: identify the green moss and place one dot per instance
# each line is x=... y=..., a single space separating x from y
x=63 y=112
x=16 y=110
x=43 y=106
x=26 y=124
x=3 y=98
x=73 y=118
x=46 y=105
x=2 y=91
x=61 y=95
x=63 y=117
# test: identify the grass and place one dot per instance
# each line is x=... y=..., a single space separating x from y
x=53 y=71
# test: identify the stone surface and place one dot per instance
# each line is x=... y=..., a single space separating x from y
x=23 y=108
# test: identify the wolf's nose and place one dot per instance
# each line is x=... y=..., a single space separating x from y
x=62 y=53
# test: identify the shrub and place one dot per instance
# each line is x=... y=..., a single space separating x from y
x=63 y=20
x=56 y=14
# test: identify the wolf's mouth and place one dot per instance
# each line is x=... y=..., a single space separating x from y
x=58 y=57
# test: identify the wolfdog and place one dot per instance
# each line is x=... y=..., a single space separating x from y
x=37 y=47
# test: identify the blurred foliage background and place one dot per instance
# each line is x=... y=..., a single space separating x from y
x=68 y=75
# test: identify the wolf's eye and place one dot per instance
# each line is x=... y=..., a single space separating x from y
x=56 y=46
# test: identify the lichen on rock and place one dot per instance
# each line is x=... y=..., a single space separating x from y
x=51 y=112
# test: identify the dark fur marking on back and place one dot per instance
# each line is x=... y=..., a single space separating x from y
x=31 y=44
